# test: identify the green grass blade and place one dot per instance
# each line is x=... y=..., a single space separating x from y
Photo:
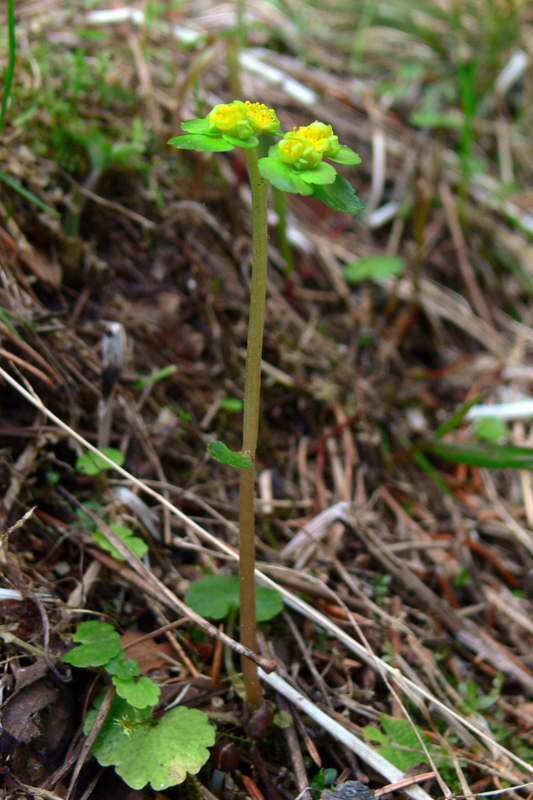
x=481 y=454
x=27 y=194
x=457 y=418
x=8 y=79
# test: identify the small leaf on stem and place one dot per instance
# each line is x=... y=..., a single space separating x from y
x=224 y=455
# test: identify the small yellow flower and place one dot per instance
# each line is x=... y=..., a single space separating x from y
x=230 y=118
x=261 y=118
x=320 y=136
x=298 y=152
x=242 y=120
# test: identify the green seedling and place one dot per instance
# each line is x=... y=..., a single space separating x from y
x=156 y=377
x=92 y=464
x=142 y=749
x=374 y=268
x=324 y=778
x=100 y=647
x=294 y=165
x=401 y=742
x=217 y=595
x=137 y=545
x=474 y=700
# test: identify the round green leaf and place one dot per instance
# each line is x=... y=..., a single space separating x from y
x=195 y=125
x=253 y=141
x=139 y=694
x=491 y=429
x=339 y=196
x=93 y=463
x=283 y=719
x=224 y=455
x=268 y=603
x=373 y=268
x=100 y=643
x=201 y=142
x=345 y=156
x=322 y=174
x=216 y=595
x=144 y=751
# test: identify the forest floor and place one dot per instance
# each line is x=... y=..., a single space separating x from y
x=398 y=527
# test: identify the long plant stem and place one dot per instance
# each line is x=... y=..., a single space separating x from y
x=252 y=391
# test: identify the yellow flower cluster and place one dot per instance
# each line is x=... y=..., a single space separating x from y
x=242 y=120
x=304 y=147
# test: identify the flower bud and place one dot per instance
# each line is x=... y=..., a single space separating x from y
x=298 y=152
x=321 y=137
x=230 y=118
x=261 y=118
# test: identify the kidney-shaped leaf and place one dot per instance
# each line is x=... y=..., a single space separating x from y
x=139 y=694
x=144 y=751
x=216 y=595
x=100 y=643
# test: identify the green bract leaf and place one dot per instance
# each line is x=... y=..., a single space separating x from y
x=123 y=669
x=92 y=463
x=346 y=156
x=253 y=141
x=282 y=176
x=139 y=694
x=482 y=455
x=145 y=751
x=491 y=429
x=216 y=595
x=100 y=643
x=373 y=268
x=137 y=545
x=322 y=174
x=195 y=126
x=339 y=196
x=201 y=142
x=222 y=453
